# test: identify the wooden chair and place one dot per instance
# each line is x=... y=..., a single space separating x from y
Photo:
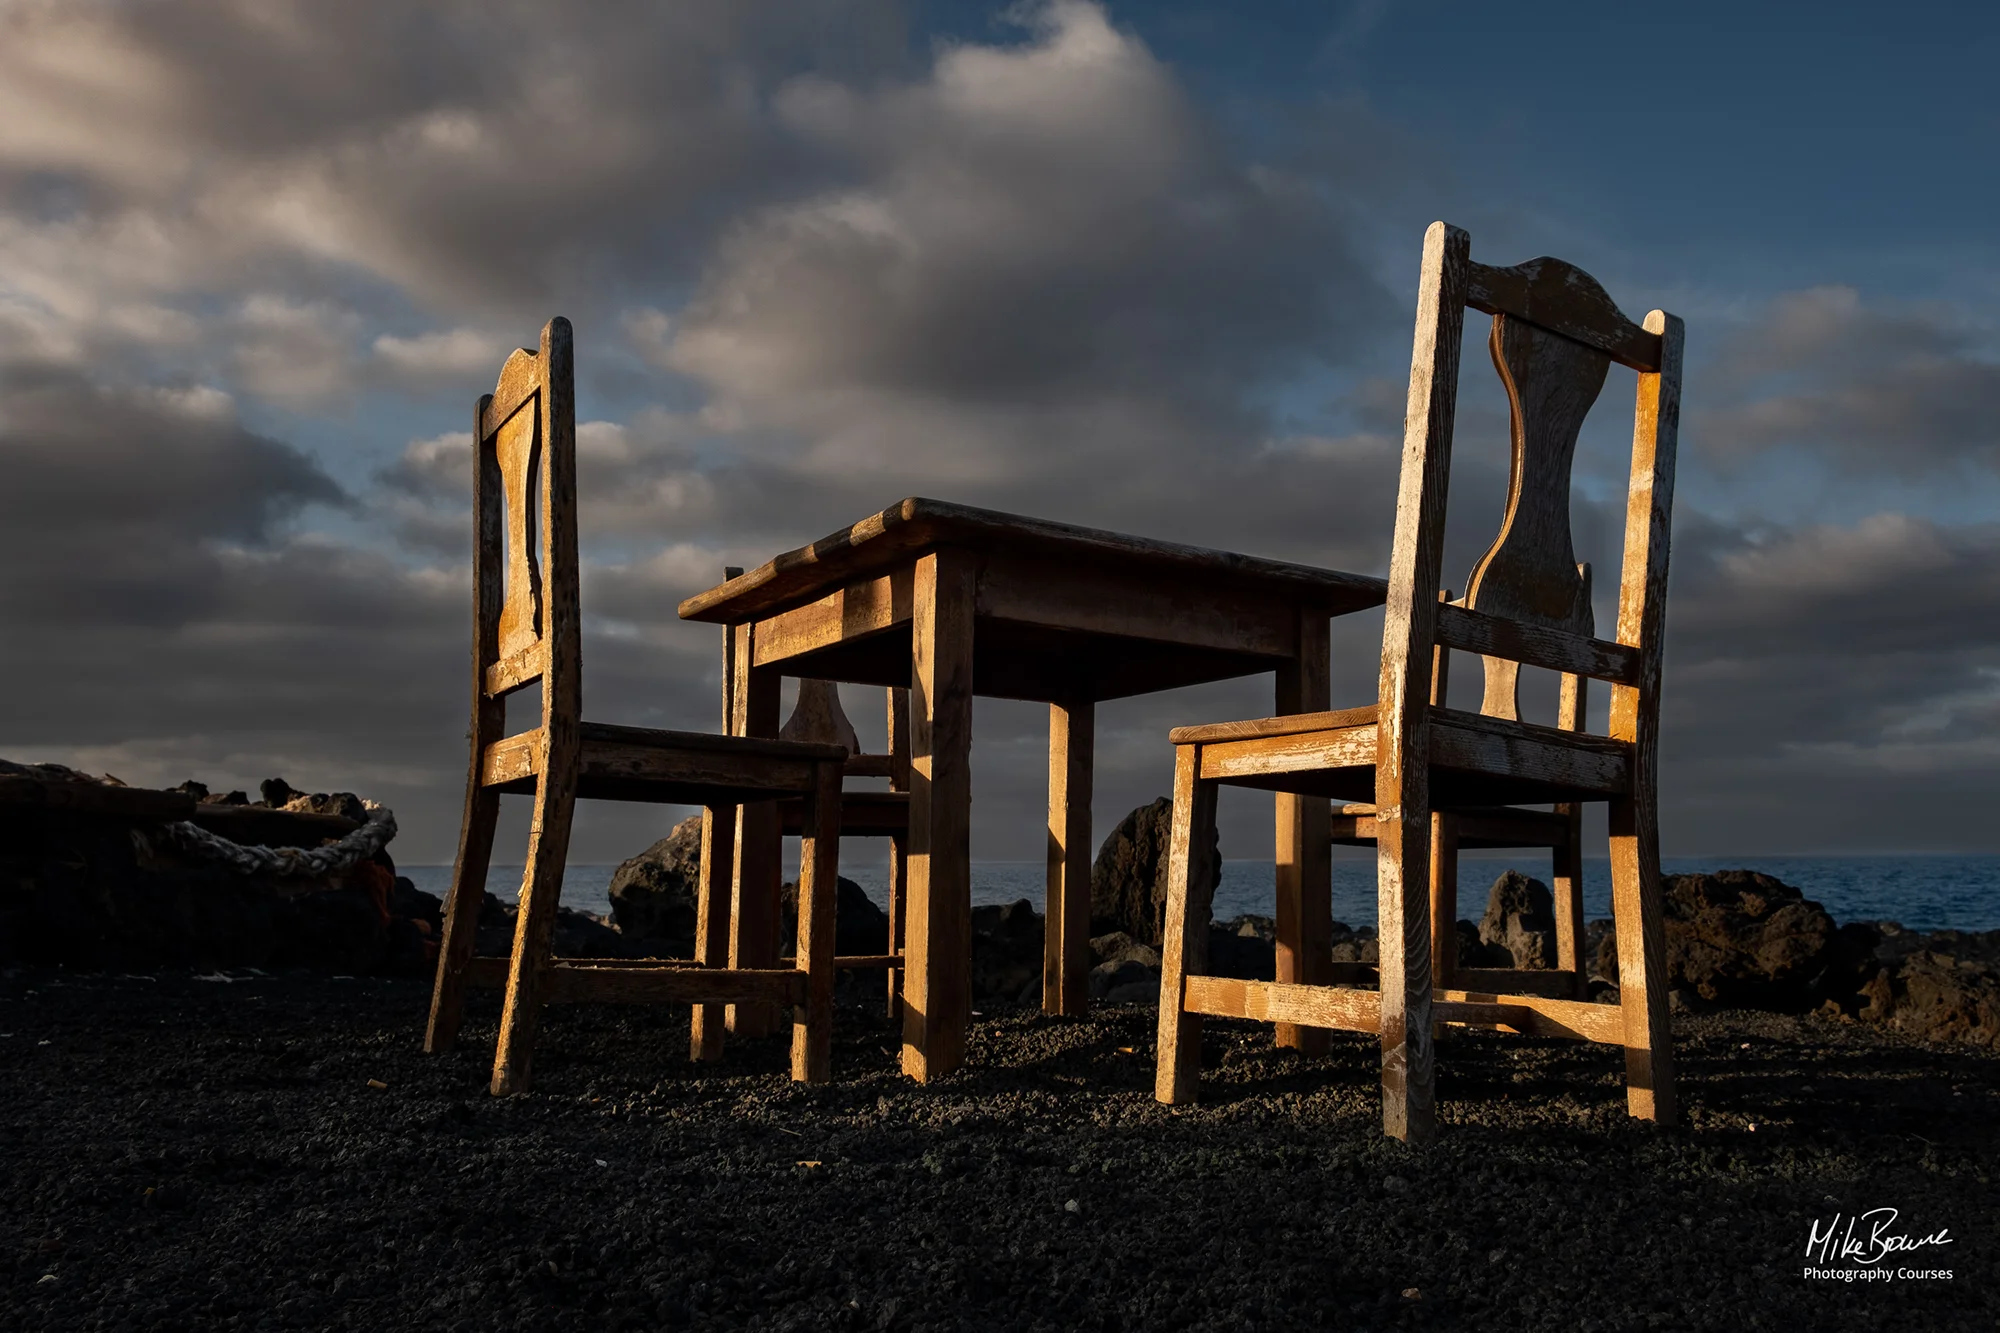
x=1555 y=333
x=527 y=630
x=743 y=927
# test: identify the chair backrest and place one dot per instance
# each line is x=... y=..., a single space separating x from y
x=526 y=619
x=1555 y=334
x=818 y=717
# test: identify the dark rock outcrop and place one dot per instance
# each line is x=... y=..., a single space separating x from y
x=1740 y=939
x=1126 y=971
x=1007 y=953
x=1128 y=882
x=653 y=895
x=1941 y=985
x=89 y=879
x=577 y=934
x=1520 y=919
x=1355 y=944
x=859 y=926
x=90 y=892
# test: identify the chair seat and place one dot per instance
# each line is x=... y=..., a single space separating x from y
x=1475 y=760
x=1479 y=826
x=862 y=814
x=620 y=763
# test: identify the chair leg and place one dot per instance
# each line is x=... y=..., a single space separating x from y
x=534 y=929
x=1403 y=866
x=1642 y=959
x=1444 y=899
x=899 y=866
x=819 y=866
x=1184 y=942
x=1568 y=885
x=461 y=916
x=711 y=923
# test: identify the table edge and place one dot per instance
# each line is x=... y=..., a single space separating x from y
x=810 y=571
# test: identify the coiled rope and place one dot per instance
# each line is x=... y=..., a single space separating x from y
x=290 y=862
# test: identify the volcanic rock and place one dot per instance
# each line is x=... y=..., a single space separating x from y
x=653 y=895
x=1128 y=883
x=859 y=926
x=1521 y=919
x=1007 y=952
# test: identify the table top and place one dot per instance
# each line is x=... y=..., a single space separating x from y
x=908 y=528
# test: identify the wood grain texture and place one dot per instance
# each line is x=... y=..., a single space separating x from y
x=1532 y=645
x=1529 y=574
x=1588 y=766
x=711 y=923
x=753 y=911
x=897 y=722
x=1303 y=935
x=863 y=814
x=937 y=983
x=488 y=722
x=1554 y=984
x=1477 y=827
x=817 y=717
x=1136 y=603
x=518 y=671
x=1403 y=754
x=1277 y=1002
x=864 y=608
x=1184 y=933
x=1564 y=299
x=819 y=862
x=1534 y=1015
x=883 y=540
x=1444 y=897
x=1066 y=958
x=1309 y=752
x=559 y=741
x=518 y=445
x=1635 y=717
x=1290 y=725
x=1572 y=707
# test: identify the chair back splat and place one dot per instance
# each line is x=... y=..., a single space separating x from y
x=1441 y=778
x=527 y=629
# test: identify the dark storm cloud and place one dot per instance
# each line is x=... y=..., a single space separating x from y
x=812 y=274
x=473 y=153
x=1909 y=392
x=117 y=502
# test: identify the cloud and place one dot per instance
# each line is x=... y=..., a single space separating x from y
x=1053 y=280
x=445 y=354
x=816 y=267
x=1905 y=391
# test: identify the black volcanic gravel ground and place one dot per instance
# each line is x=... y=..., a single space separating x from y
x=186 y=1154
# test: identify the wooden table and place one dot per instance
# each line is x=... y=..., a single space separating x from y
x=953 y=602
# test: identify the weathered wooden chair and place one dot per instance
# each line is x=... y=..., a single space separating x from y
x=742 y=928
x=527 y=630
x=1554 y=334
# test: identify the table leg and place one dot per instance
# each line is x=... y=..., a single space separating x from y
x=937 y=931
x=899 y=845
x=1304 y=842
x=753 y=915
x=1066 y=948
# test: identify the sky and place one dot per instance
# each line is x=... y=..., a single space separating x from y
x=1146 y=267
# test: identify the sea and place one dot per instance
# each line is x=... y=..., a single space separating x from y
x=1921 y=892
